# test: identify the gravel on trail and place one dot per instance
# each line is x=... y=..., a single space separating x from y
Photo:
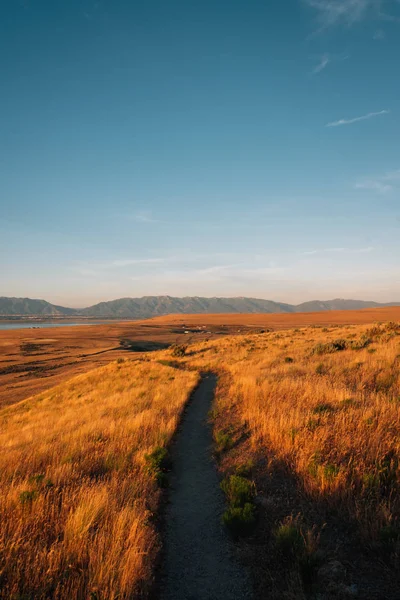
x=199 y=560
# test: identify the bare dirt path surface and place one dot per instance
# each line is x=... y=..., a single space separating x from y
x=199 y=557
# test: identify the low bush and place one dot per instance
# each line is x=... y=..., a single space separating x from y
x=223 y=441
x=245 y=469
x=240 y=520
x=288 y=537
x=27 y=496
x=158 y=463
x=330 y=347
x=240 y=517
x=238 y=490
x=179 y=350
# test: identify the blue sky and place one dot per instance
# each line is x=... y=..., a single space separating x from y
x=200 y=147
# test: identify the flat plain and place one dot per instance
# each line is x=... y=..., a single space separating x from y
x=33 y=360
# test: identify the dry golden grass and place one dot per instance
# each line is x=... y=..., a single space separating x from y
x=78 y=493
x=331 y=417
x=35 y=360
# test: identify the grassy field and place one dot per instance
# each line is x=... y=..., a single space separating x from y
x=311 y=417
x=80 y=474
x=306 y=426
x=33 y=360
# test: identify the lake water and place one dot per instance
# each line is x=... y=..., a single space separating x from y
x=44 y=324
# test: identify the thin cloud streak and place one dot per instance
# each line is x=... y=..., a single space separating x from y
x=356 y=119
x=324 y=62
x=340 y=250
x=392 y=176
x=382 y=185
x=332 y=12
x=144 y=218
x=376 y=186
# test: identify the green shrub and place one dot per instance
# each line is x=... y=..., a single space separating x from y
x=361 y=343
x=238 y=490
x=179 y=350
x=392 y=326
x=240 y=520
x=245 y=469
x=331 y=471
x=289 y=359
x=312 y=424
x=158 y=462
x=223 y=441
x=330 y=347
x=288 y=537
x=27 y=497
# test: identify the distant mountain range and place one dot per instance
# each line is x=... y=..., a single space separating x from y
x=153 y=306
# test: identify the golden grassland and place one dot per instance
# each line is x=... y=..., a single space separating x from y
x=310 y=418
x=79 y=492
x=330 y=413
x=33 y=360
x=78 y=489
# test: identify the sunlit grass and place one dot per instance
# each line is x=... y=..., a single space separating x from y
x=81 y=465
x=330 y=413
x=77 y=494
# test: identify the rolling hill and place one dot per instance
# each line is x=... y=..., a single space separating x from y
x=32 y=307
x=152 y=306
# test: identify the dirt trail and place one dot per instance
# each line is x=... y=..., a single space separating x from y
x=199 y=559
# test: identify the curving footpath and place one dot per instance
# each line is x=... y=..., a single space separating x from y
x=199 y=561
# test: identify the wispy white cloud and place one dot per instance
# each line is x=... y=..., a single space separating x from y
x=323 y=63
x=144 y=217
x=356 y=119
x=382 y=184
x=348 y=12
x=392 y=176
x=326 y=59
x=340 y=250
x=332 y=12
x=374 y=185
